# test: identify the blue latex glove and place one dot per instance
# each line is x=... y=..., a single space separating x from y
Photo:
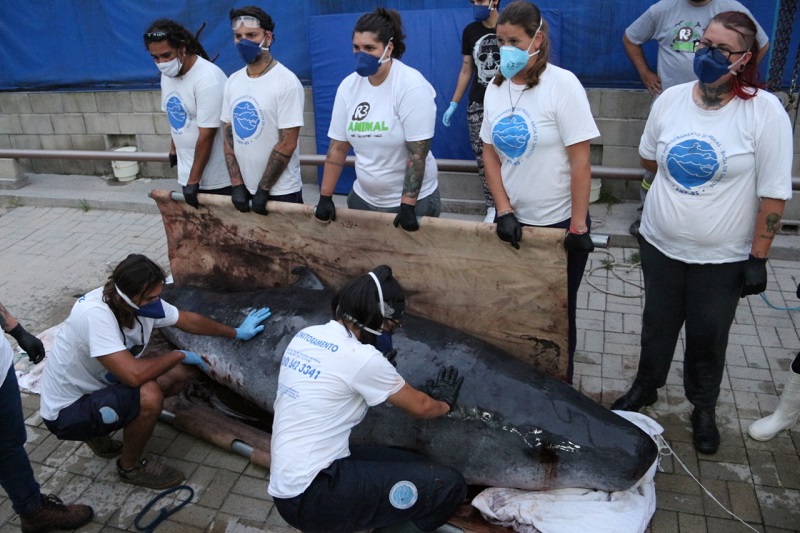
x=250 y=327
x=448 y=114
x=194 y=359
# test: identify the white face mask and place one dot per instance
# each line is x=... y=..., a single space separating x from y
x=170 y=68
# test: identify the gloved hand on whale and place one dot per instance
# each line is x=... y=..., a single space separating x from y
x=252 y=324
x=194 y=360
x=446 y=386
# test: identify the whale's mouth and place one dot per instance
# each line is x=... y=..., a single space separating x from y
x=202 y=390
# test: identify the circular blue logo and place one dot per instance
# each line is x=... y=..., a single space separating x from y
x=692 y=162
x=403 y=495
x=511 y=135
x=245 y=119
x=176 y=113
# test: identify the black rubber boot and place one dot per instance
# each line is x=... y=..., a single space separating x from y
x=704 y=427
x=636 y=398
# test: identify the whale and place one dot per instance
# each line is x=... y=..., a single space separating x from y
x=513 y=426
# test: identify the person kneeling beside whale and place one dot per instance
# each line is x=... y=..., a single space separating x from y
x=94 y=382
x=330 y=375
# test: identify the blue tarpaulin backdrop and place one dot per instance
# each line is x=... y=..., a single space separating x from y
x=91 y=44
x=97 y=44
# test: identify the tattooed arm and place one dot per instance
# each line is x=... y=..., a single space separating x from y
x=7 y=321
x=334 y=162
x=768 y=223
x=279 y=157
x=230 y=157
x=415 y=170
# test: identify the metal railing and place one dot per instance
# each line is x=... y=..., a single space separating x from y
x=447 y=165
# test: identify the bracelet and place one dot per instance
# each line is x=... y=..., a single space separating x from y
x=506 y=212
x=574 y=230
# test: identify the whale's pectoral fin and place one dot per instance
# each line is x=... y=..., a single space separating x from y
x=306 y=279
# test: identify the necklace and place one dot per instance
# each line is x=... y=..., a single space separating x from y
x=269 y=65
x=511 y=101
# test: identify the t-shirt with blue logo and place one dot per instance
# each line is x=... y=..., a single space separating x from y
x=713 y=168
x=194 y=101
x=257 y=108
x=529 y=130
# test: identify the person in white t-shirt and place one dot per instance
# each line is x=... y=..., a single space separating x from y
x=94 y=382
x=385 y=112
x=330 y=375
x=675 y=25
x=536 y=131
x=191 y=95
x=37 y=512
x=722 y=151
x=262 y=113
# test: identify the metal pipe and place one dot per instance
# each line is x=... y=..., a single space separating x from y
x=242 y=448
x=444 y=165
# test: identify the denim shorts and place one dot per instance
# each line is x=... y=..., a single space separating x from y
x=97 y=414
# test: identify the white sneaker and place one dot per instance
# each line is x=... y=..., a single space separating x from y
x=490 y=213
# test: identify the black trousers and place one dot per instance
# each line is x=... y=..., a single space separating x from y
x=376 y=487
x=576 y=265
x=704 y=297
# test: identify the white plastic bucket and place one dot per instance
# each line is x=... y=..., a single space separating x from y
x=594 y=193
x=125 y=170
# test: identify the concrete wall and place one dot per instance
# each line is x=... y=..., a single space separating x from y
x=109 y=119
x=99 y=121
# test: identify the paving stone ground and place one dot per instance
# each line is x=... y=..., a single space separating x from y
x=51 y=254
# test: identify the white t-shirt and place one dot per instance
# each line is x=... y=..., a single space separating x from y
x=90 y=331
x=377 y=122
x=6 y=359
x=194 y=101
x=675 y=24
x=257 y=108
x=327 y=381
x=713 y=166
x=531 y=141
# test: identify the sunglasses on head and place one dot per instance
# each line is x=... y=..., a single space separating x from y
x=155 y=36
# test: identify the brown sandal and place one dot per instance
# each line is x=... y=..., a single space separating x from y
x=105 y=447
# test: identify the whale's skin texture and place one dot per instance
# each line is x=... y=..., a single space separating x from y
x=513 y=425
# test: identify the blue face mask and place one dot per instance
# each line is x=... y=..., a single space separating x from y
x=248 y=50
x=513 y=60
x=153 y=309
x=367 y=64
x=384 y=342
x=481 y=13
x=707 y=69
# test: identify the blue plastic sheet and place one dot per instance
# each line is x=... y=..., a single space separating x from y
x=95 y=44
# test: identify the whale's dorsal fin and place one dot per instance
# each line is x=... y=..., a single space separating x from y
x=306 y=279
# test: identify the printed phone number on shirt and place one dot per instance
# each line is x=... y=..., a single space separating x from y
x=298 y=366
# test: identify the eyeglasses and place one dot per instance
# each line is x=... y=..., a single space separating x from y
x=719 y=54
x=155 y=36
x=247 y=20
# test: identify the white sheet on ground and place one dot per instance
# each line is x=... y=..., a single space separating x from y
x=29 y=375
x=576 y=510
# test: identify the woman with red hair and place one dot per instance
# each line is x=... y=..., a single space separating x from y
x=722 y=153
